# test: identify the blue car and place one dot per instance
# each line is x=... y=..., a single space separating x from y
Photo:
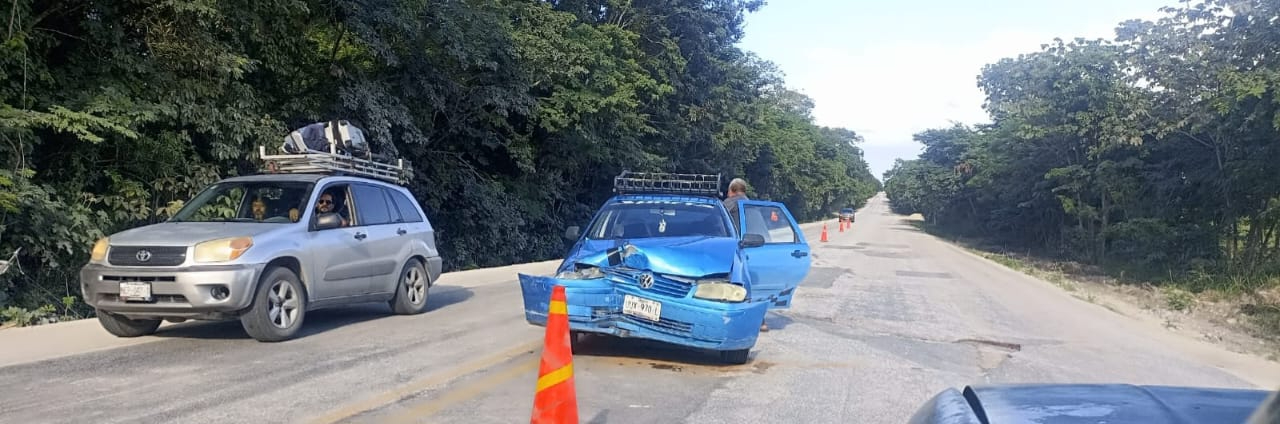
x=663 y=260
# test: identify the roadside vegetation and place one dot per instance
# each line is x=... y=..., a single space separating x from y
x=1151 y=157
x=515 y=114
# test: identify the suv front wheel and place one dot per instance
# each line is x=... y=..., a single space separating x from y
x=279 y=307
x=121 y=326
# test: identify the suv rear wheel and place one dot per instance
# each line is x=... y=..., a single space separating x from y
x=411 y=289
x=125 y=327
x=278 y=308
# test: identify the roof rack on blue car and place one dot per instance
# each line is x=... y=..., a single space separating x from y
x=667 y=183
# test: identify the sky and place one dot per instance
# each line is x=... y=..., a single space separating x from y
x=887 y=70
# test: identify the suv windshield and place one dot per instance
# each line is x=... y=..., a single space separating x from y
x=634 y=220
x=846 y=210
x=279 y=202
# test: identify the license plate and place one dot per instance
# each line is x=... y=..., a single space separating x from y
x=135 y=291
x=643 y=308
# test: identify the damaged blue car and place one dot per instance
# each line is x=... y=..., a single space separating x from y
x=663 y=260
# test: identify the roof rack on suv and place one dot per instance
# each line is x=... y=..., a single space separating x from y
x=318 y=162
x=667 y=183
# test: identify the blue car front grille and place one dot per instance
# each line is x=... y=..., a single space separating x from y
x=665 y=325
x=661 y=285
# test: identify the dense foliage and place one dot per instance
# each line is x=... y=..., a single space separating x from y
x=515 y=114
x=1157 y=151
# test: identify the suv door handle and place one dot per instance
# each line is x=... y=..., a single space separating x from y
x=799 y=254
x=361 y=236
x=401 y=231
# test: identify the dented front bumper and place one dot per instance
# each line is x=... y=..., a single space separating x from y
x=596 y=305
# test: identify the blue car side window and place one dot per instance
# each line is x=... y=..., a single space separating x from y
x=770 y=223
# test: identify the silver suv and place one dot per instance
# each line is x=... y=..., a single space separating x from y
x=266 y=249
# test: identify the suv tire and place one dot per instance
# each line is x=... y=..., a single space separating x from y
x=412 y=288
x=279 y=307
x=121 y=326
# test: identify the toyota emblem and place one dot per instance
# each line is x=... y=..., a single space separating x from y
x=143 y=255
x=646 y=280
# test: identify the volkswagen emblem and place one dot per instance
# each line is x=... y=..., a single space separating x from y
x=143 y=255
x=645 y=280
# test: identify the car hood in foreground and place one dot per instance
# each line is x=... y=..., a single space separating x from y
x=1090 y=403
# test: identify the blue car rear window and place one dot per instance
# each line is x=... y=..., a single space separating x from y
x=632 y=220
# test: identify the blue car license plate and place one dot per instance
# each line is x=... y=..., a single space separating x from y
x=643 y=308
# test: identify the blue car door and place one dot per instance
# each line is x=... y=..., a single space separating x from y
x=783 y=262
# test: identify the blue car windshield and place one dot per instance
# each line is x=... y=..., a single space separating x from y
x=633 y=220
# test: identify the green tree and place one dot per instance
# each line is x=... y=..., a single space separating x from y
x=515 y=114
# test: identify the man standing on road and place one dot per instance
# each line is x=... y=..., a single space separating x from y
x=738 y=191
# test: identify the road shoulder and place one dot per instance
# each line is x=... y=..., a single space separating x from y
x=1248 y=358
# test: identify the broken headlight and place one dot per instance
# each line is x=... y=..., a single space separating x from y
x=720 y=290
x=587 y=273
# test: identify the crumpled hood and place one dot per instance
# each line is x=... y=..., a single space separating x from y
x=189 y=233
x=694 y=256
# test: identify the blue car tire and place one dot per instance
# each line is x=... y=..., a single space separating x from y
x=736 y=357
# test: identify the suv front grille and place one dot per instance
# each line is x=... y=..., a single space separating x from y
x=156 y=255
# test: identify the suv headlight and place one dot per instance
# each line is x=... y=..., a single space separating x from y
x=99 y=253
x=222 y=250
x=720 y=290
x=588 y=273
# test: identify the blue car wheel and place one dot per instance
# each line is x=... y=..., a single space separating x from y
x=736 y=357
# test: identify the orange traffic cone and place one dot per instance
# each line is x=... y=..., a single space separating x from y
x=824 y=232
x=554 y=401
x=842 y=225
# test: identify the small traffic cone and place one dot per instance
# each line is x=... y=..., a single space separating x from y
x=554 y=401
x=824 y=232
x=842 y=225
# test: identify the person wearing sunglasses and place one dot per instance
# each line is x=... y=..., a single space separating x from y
x=326 y=205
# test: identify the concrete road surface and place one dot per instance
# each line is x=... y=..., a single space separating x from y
x=888 y=317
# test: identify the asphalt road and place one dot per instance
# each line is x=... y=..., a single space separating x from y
x=888 y=317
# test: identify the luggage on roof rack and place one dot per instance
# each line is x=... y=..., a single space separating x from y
x=333 y=147
x=336 y=136
x=667 y=183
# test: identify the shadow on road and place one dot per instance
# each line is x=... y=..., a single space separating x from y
x=618 y=347
x=317 y=321
x=776 y=322
x=445 y=296
x=601 y=417
x=909 y=225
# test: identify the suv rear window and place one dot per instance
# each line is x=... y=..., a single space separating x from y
x=371 y=204
x=408 y=213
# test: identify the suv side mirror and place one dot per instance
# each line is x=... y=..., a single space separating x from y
x=571 y=233
x=328 y=221
x=751 y=240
